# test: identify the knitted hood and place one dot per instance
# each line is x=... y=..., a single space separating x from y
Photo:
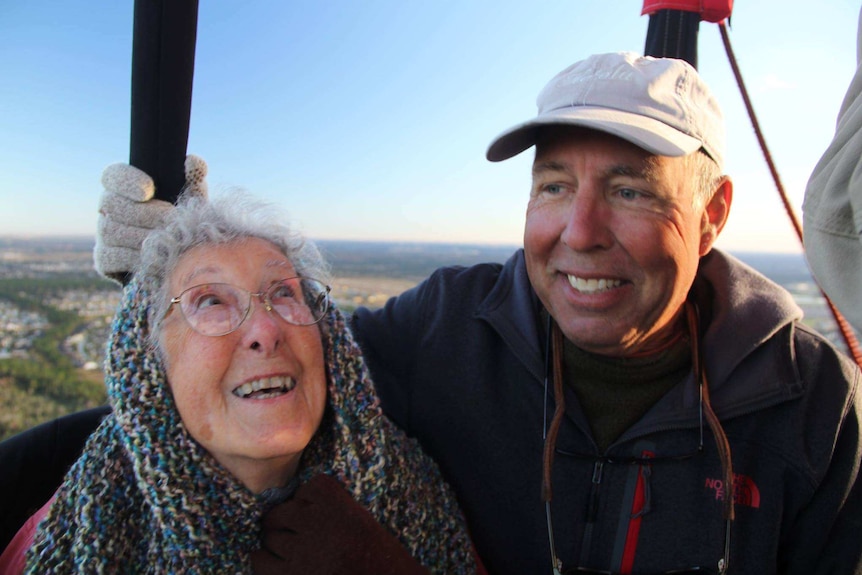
x=145 y=497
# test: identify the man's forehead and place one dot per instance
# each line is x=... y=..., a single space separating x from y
x=561 y=157
x=618 y=155
x=645 y=168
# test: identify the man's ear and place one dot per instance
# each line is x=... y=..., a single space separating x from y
x=715 y=214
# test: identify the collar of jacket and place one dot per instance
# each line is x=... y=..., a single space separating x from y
x=749 y=313
x=510 y=308
x=748 y=347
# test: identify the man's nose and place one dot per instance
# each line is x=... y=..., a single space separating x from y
x=587 y=222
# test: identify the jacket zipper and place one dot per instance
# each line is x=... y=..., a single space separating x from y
x=592 y=510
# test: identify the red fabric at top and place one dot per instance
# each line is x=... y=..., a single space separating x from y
x=709 y=10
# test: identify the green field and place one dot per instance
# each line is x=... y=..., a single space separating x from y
x=46 y=384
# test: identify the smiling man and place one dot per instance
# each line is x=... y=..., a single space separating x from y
x=693 y=423
x=613 y=238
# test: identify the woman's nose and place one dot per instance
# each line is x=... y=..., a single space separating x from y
x=263 y=329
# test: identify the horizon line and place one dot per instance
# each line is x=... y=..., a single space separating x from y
x=92 y=237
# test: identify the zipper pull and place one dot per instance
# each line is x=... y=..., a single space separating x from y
x=646 y=473
x=593 y=511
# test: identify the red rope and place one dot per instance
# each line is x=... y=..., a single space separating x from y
x=843 y=326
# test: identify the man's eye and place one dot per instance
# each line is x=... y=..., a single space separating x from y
x=630 y=194
x=552 y=188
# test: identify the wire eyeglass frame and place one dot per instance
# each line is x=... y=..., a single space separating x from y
x=216 y=309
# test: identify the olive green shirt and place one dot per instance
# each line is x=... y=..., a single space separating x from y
x=616 y=392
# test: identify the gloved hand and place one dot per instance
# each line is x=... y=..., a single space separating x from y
x=127 y=214
x=323 y=530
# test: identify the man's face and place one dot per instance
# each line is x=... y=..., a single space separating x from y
x=612 y=239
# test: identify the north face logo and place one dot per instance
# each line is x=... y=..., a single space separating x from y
x=745 y=491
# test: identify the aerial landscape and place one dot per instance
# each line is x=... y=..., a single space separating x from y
x=55 y=310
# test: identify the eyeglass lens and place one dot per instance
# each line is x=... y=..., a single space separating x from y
x=218 y=308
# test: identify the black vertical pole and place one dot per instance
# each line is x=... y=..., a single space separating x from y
x=163 y=59
x=673 y=34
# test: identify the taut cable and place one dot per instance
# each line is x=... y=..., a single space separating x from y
x=843 y=326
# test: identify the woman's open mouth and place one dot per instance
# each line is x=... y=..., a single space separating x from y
x=265 y=388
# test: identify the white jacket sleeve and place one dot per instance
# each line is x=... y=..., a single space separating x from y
x=832 y=209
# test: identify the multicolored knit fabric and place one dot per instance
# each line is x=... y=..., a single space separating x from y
x=145 y=497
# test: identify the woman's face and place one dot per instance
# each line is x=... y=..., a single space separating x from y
x=258 y=436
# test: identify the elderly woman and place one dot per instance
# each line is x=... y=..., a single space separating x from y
x=234 y=383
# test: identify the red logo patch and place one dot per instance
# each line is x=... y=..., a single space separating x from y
x=745 y=491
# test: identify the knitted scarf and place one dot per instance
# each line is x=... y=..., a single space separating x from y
x=145 y=497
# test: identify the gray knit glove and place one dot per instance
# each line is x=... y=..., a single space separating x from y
x=128 y=212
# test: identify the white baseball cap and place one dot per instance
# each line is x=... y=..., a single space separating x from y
x=659 y=104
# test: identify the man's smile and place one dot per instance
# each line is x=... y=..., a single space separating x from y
x=592 y=285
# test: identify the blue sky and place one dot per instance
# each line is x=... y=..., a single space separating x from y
x=369 y=120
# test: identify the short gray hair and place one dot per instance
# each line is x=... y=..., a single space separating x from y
x=705 y=177
x=196 y=222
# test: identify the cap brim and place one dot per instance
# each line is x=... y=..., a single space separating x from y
x=652 y=135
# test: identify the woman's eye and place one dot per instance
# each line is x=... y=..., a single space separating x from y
x=283 y=291
x=208 y=300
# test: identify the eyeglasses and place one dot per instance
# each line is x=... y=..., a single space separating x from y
x=549 y=435
x=218 y=308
